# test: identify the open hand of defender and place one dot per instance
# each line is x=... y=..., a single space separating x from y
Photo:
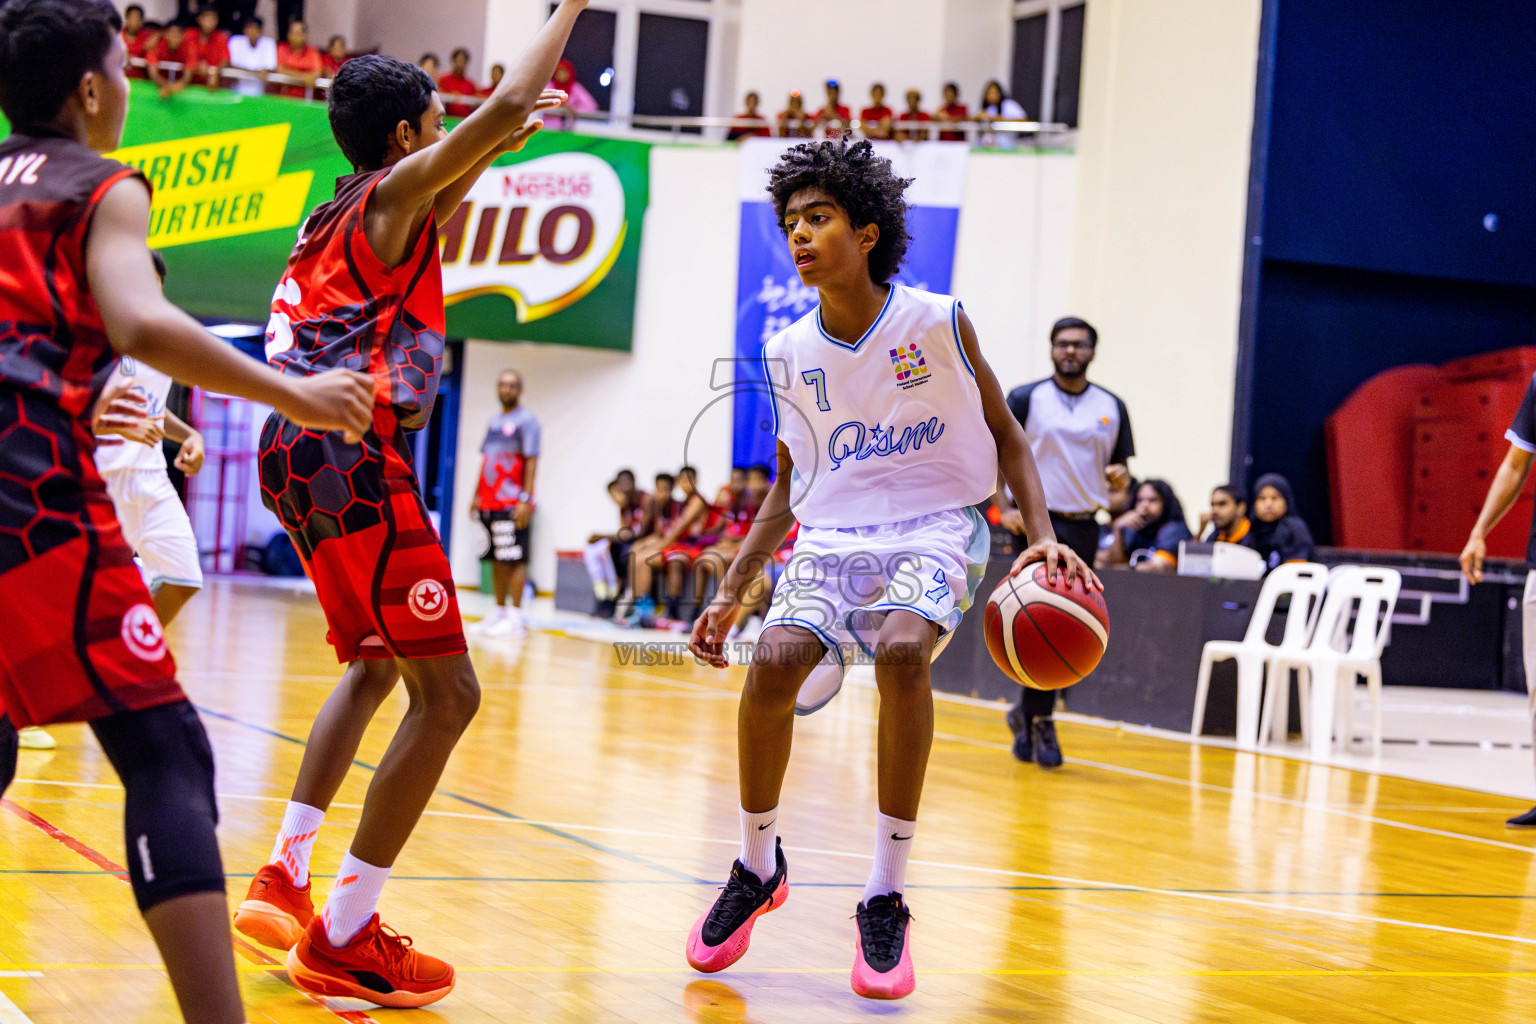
x=549 y=99
x=124 y=413
x=710 y=631
x=335 y=400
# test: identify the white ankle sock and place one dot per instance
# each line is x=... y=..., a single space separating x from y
x=893 y=843
x=295 y=840
x=758 y=832
x=353 y=899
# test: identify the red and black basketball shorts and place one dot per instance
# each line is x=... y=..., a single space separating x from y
x=82 y=640
x=357 y=519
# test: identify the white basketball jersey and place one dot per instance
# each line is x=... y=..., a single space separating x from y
x=154 y=387
x=887 y=429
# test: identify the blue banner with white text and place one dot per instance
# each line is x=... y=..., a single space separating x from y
x=769 y=295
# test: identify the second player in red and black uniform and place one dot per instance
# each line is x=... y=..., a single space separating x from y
x=363 y=289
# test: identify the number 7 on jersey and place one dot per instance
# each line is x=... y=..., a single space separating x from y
x=818 y=379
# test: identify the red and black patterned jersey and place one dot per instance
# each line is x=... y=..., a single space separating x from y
x=54 y=354
x=339 y=305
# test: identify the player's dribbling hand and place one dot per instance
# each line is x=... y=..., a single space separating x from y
x=710 y=631
x=190 y=459
x=1472 y=559
x=335 y=400
x=125 y=413
x=1059 y=560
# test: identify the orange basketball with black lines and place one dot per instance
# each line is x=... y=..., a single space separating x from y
x=1045 y=635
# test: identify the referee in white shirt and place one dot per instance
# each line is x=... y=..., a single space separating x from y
x=1080 y=435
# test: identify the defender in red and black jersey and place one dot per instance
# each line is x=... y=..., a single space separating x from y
x=82 y=641
x=363 y=289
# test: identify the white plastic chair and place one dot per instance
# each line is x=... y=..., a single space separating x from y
x=1339 y=652
x=1305 y=582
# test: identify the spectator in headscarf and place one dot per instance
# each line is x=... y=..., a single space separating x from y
x=1147 y=537
x=577 y=99
x=1278 y=533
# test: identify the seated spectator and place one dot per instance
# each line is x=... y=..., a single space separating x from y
x=914 y=112
x=952 y=112
x=456 y=83
x=215 y=45
x=834 y=117
x=1147 y=537
x=638 y=607
x=696 y=529
x=1121 y=501
x=577 y=99
x=738 y=504
x=1228 y=518
x=334 y=57
x=254 y=52
x=1278 y=533
x=607 y=554
x=297 y=59
x=751 y=113
x=178 y=46
x=794 y=122
x=875 y=119
x=138 y=37
x=996 y=106
x=429 y=64
x=757 y=595
x=498 y=72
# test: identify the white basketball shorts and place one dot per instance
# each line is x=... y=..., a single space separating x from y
x=156 y=526
x=841 y=582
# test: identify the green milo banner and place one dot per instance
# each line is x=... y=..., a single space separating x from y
x=546 y=246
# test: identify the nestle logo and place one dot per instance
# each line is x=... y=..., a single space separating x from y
x=546 y=186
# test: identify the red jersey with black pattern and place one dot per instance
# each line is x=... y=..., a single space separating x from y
x=339 y=305
x=81 y=637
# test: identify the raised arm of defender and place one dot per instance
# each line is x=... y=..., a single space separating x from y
x=141 y=323
x=418 y=178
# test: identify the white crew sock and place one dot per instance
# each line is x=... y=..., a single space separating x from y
x=353 y=899
x=758 y=832
x=893 y=843
x=295 y=839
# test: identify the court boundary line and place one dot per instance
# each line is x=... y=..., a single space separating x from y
x=257 y=957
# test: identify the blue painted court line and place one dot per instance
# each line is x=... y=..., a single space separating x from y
x=481 y=805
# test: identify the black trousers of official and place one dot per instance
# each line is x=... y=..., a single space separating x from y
x=1082 y=536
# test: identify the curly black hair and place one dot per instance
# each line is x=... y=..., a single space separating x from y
x=863 y=184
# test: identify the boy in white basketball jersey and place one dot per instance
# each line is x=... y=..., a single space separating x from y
x=154 y=522
x=890 y=427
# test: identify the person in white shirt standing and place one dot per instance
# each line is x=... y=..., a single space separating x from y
x=891 y=428
x=154 y=522
x=252 y=51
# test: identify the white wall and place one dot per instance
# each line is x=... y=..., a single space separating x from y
x=1167 y=111
x=601 y=411
x=799 y=44
x=408 y=30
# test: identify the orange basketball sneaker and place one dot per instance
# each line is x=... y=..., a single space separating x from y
x=378 y=965
x=275 y=911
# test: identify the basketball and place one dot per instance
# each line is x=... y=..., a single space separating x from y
x=1042 y=635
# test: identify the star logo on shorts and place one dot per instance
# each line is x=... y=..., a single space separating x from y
x=142 y=634
x=428 y=600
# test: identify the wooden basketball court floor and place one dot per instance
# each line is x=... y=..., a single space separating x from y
x=591 y=812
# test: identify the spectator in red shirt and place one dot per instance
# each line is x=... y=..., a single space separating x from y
x=297 y=59
x=914 y=112
x=834 y=117
x=749 y=114
x=334 y=57
x=795 y=123
x=456 y=83
x=875 y=119
x=952 y=112
x=138 y=38
x=498 y=72
x=178 y=46
x=215 y=44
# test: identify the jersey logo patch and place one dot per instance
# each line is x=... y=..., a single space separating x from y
x=910 y=366
x=428 y=600
x=142 y=634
